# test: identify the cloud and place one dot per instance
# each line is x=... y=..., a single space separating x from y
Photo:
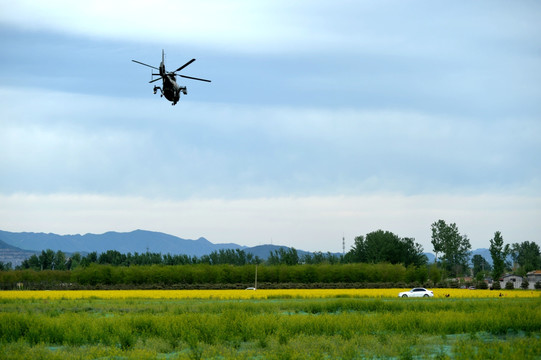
x=312 y=223
x=222 y=150
x=477 y=59
x=386 y=27
x=237 y=24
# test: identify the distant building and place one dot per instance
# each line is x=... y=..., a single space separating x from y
x=514 y=279
x=533 y=277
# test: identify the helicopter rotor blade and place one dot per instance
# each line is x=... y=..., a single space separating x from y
x=135 y=61
x=194 y=78
x=183 y=66
x=151 y=81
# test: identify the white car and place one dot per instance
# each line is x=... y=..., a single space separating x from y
x=416 y=292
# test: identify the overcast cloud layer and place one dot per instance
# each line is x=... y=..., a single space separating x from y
x=323 y=119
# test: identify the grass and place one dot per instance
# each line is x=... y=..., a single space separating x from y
x=295 y=326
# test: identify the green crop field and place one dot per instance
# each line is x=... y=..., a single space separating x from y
x=278 y=328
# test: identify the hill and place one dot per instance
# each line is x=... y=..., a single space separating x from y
x=263 y=251
x=12 y=254
x=135 y=241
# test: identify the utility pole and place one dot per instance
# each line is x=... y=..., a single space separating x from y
x=255 y=285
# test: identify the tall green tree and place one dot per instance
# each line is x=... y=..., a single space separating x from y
x=439 y=234
x=59 y=262
x=382 y=246
x=46 y=259
x=358 y=250
x=454 y=247
x=412 y=252
x=31 y=263
x=73 y=261
x=498 y=252
x=527 y=255
x=480 y=264
x=112 y=257
x=320 y=258
x=283 y=257
x=89 y=259
x=385 y=246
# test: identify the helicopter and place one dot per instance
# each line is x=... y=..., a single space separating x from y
x=170 y=89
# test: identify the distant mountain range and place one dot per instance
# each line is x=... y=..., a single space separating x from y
x=12 y=244
x=12 y=254
x=135 y=241
x=15 y=247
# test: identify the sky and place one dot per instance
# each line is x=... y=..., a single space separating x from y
x=324 y=119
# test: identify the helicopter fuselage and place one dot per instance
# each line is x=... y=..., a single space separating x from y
x=170 y=89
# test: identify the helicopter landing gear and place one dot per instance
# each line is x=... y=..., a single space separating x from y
x=156 y=88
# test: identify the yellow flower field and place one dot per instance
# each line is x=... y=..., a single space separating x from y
x=269 y=324
x=258 y=294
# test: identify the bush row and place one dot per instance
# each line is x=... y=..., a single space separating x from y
x=223 y=276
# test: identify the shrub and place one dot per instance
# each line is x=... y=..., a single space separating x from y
x=524 y=284
x=126 y=340
x=509 y=285
x=537 y=285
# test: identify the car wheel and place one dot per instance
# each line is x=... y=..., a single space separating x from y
x=425 y=295
x=404 y=295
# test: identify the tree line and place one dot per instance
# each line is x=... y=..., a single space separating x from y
x=379 y=247
x=50 y=260
x=451 y=248
x=218 y=276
